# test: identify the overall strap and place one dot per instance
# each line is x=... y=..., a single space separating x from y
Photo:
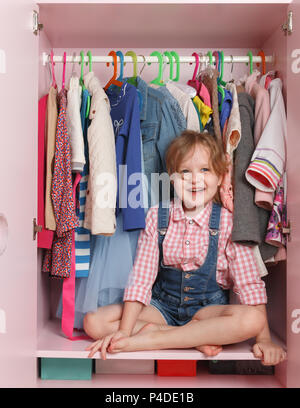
x=162 y=223
x=214 y=221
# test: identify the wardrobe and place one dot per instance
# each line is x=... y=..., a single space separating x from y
x=28 y=297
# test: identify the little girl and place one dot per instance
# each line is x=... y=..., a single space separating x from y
x=177 y=295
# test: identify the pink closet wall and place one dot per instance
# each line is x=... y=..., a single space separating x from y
x=18 y=198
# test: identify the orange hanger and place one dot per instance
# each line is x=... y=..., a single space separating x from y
x=113 y=80
x=52 y=67
x=263 y=57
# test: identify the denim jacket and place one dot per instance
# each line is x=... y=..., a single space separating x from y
x=159 y=126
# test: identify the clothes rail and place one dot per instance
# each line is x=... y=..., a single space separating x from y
x=153 y=59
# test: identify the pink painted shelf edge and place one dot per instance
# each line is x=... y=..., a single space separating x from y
x=53 y=344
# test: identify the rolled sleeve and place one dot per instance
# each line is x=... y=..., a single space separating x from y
x=244 y=272
x=145 y=267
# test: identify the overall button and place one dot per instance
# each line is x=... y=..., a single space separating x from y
x=186 y=299
x=187 y=242
x=187 y=276
x=187 y=288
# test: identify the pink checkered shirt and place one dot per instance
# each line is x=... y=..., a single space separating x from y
x=185 y=247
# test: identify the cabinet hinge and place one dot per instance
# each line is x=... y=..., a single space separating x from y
x=36 y=228
x=287 y=230
x=37 y=26
x=287 y=27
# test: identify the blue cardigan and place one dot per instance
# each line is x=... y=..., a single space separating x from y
x=125 y=115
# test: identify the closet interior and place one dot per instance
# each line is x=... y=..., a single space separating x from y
x=235 y=29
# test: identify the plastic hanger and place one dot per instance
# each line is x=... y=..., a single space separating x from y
x=145 y=63
x=159 y=79
x=194 y=82
x=169 y=55
x=263 y=63
x=221 y=65
x=73 y=66
x=54 y=84
x=220 y=88
x=120 y=54
x=209 y=54
x=81 y=81
x=113 y=80
x=134 y=58
x=64 y=70
x=251 y=61
x=89 y=54
x=176 y=56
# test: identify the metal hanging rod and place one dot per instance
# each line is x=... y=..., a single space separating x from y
x=153 y=59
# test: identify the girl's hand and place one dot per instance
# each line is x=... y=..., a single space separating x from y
x=269 y=352
x=103 y=344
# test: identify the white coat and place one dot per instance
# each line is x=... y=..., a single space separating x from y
x=102 y=184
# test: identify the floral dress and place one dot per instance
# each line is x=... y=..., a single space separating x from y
x=57 y=261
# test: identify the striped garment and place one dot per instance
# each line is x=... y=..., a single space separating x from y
x=268 y=160
x=82 y=235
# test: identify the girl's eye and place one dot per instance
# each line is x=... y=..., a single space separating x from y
x=185 y=171
x=204 y=170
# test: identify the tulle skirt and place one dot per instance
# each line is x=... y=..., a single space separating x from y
x=110 y=266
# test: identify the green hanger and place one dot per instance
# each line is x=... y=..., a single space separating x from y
x=220 y=79
x=159 y=79
x=176 y=56
x=251 y=61
x=89 y=54
x=169 y=55
x=209 y=54
x=134 y=57
x=132 y=80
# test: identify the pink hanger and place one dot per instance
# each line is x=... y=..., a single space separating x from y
x=52 y=67
x=194 y=82
x=64 y=71
x=216 y=55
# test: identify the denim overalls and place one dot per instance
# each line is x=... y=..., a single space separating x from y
x=178 y=294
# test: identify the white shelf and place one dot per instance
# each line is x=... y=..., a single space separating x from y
x=53 y=344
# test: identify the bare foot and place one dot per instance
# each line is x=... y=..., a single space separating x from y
x=209 y=351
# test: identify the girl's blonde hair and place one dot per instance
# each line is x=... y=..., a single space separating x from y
x=186 y=142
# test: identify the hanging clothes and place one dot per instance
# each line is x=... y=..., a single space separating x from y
x=262 y=112
x=249 y=221
x=82 y=235
x=100 y=207
x=225 y=107
x=57 y=261
x=44 y=237
x=159 y=126
x=209 y=79
x=125 y=116
x=186 y=105
x=52 y=115
x=274 y=235
x=108 y=273
x=231 y=139
x=204 y=110
x=177 y=111
x=74 y=125
x=268 y=160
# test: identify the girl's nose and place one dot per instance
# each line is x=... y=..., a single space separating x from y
x=198 y=179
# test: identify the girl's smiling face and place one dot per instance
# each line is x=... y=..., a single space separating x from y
x=195 y=182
